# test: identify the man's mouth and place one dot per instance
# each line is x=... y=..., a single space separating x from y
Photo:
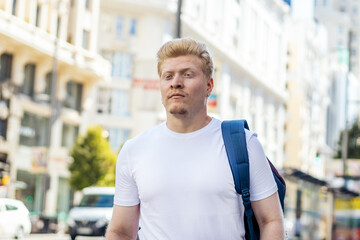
x=176 y=95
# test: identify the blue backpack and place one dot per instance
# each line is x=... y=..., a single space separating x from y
x=235 y=144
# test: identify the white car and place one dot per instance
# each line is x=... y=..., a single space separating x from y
x=92 y=215
x=14 y=219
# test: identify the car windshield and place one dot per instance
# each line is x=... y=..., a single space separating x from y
x=104 y=200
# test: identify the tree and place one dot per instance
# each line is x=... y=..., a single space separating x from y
x=353 y=148
x=93 y=161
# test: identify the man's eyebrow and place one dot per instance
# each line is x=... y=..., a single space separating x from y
x=181 y=70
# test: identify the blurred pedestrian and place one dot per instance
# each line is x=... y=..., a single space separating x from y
x=176 y=175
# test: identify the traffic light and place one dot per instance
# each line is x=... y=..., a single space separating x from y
x=4 y=170
x=4 y=179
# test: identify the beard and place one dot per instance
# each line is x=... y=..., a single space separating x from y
x=178 y=110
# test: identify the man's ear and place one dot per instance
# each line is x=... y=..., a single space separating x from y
x=210 y=86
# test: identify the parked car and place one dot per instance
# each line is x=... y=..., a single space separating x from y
x=93 y=214
x=14 y=219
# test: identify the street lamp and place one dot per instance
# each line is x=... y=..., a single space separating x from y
x=178 y=19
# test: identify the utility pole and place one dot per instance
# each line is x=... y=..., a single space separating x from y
x=178 y=19
x=55 y=107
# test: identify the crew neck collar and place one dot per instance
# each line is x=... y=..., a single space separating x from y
x=190 y=134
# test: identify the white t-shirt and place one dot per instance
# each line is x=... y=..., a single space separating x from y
x=184 y=185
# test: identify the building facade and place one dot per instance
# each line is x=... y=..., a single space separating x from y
x=248 y=46
x=48 y=68
x=341 y=19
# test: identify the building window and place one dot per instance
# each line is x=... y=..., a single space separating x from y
x=355 y=10
x=120 y=101
x=85 y=40
x=104 y=101
x=27 y=87
x=87 y=4
x=119 y=27
x=5 y=67
x=69 y=135
x=47 y=91
x=34 y=130
x=353 y=37
x=58 y=25
x=133 y=26
x=340 y=29
x=117 y=137
x=73 y=95
x=353 y=52
x=38 y=12
x=3 y=125
x=121 y=66
x=115 y=102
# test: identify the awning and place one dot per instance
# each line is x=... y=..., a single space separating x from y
x=339 y=192
x=293 y=172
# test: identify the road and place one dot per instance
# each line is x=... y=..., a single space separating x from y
x=57 y=237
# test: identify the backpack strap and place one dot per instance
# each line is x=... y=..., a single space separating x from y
x=236 y=149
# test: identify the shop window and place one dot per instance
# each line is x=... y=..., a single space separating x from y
x=5 y=67
x=27 y=87
x=27 y=194
x=69 y=135
x=73 y=95
x=64 y=196
x=34 y=130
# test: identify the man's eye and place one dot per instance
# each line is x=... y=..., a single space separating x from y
x=168 y=76
x=187 y=74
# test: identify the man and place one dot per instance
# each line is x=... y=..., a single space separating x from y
x=176 y=176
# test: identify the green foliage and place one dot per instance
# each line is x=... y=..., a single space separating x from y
x=93 y=161
x=353 y=150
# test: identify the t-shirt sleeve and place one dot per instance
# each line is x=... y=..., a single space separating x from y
x=126 y=192
x=262 y=182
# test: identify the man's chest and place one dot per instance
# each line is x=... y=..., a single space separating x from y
x=184 y=172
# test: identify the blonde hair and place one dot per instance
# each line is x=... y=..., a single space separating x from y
x=186 y=46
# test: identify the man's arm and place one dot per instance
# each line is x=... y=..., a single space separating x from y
x=269 y=216
x=124 y=223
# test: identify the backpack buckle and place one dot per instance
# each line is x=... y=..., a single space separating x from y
x=245 y=194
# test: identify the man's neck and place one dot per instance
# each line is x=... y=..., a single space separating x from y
x=185 y=124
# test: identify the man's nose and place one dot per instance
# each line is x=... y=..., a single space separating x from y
x=177 y=82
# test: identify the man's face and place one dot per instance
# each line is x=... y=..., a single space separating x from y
x=183 y=85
